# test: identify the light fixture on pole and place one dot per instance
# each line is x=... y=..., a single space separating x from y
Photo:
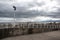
x=14 y=7
x=14 y=14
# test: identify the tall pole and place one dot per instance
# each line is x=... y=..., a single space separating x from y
x=14 y=17
x=14 y=13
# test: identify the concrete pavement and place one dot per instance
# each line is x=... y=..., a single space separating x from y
x=54 y=35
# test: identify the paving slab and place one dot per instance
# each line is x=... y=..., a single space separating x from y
x=54 y=35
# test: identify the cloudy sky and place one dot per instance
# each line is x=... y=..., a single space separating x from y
x=30 y=10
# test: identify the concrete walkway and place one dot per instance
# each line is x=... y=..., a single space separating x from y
x=54 y=35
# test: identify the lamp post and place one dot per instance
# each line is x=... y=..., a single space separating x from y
x=14 y=14
x=14 y=7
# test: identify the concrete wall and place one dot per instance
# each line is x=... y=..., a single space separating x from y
x=23 y=29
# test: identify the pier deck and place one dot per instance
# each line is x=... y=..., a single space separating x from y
x=54 y=35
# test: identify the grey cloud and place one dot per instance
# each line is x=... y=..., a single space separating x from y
x=6 y=10
x=26 y=14
x=36 y=4
x=6 y=14
x=56 y=14
x=6 y=0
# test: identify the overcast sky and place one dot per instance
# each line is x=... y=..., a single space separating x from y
x=30 y=10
